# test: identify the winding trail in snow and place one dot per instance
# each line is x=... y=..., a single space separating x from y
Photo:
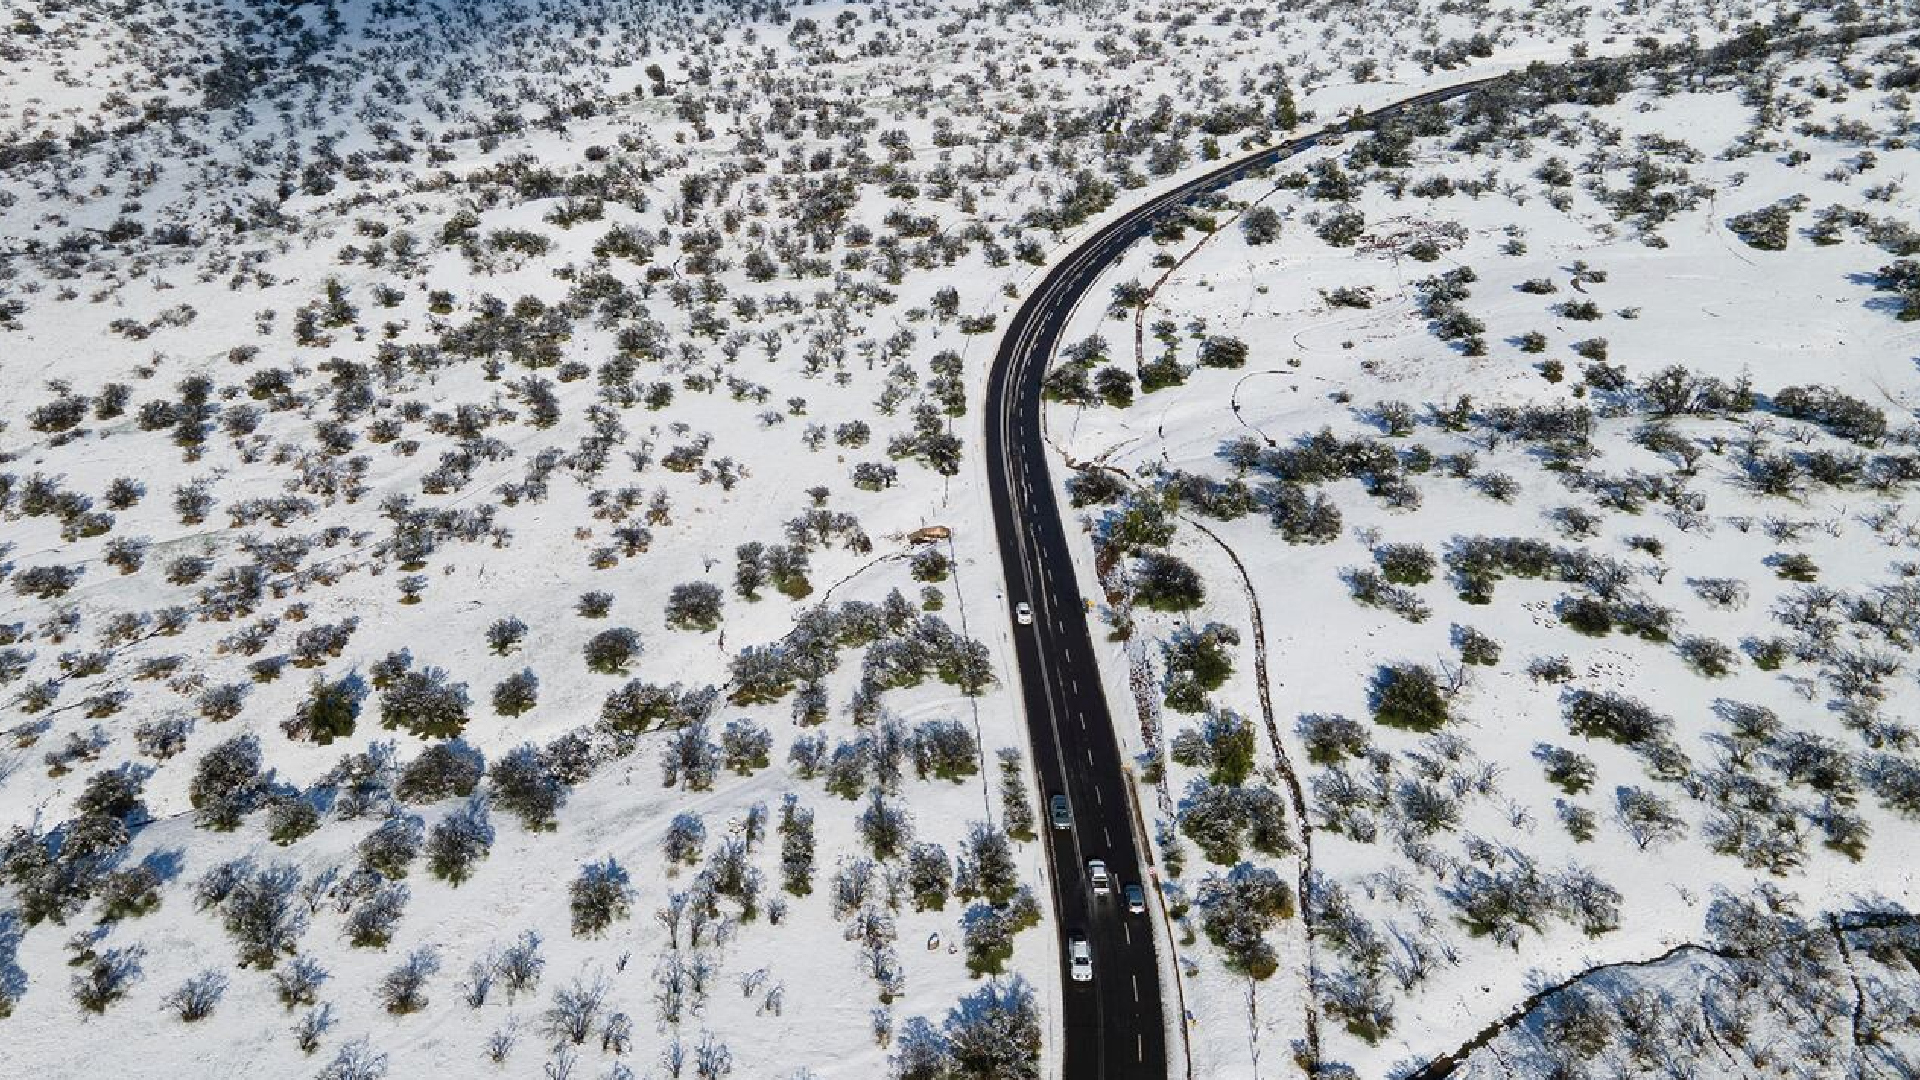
x=1447 y=1064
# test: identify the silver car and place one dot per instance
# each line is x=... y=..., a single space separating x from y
x=1057 y=809
x=1080 y=958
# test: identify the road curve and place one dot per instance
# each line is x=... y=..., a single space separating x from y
x=1113 y=1027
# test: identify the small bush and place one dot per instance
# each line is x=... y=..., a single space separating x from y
x=195 y=999
x=1166 y=583
x=1615 y=717
x=1707 y=657
x=1571 y=770
x=1332 y=739
x=609 y=651
x=426 y=704
x=1405 y=564
x=1409 y=696
x=599 y=896
x=1476 y=647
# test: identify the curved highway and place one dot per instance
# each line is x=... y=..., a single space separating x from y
x=1113 y=1024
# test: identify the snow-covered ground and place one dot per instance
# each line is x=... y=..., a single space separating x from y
x=1696 y=296
x=454 y=313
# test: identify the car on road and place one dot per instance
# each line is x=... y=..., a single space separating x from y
x=1098 y=877
x=1023 y=613
x=1136 y=898
x=1080 y=958
x=1057 y=809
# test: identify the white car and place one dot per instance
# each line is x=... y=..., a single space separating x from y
x=1023 y=613
x=1080 y=958
x=1097 y=875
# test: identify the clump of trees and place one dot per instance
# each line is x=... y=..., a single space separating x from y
x=1369 y=588
x=1222 y=745
x=987 y=931
x=1198 y=662
x=105 y=978
x=695 y=606
x=525 y=783
x=259 y=907
x=1165 y=582
x=517 y=693
x=1409 y=696
x=460 y=840
x=425 y=703
x=329 y=710
x=610 y=651
x=1219 y=818
x=993 y=1031
x=1332 y=739
x=1016 y=806
x=1768 y=228
x=945 y=749
x=228 y=784
x=1237 y=909
x=1614 y=717
x=600 y=895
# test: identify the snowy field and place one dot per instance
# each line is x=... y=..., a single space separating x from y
x=1410 y=965
x=452 y=446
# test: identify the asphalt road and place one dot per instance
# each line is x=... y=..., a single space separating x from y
x=1113 y=1026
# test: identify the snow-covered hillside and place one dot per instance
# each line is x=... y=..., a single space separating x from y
x=458 y=605
x=1562 y=440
